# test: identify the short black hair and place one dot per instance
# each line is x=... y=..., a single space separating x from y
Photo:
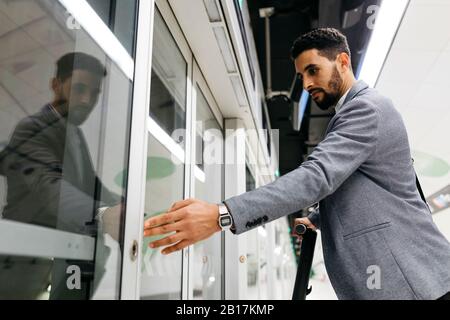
x=78 y=61
x=328 y=41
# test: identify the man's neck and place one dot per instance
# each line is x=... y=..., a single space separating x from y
x=60 y=107
x=347 y=84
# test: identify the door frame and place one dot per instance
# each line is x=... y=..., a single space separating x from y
x=175 y=30
x=141 y=128
x=134 y=218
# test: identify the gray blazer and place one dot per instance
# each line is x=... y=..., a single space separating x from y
x=372 y=219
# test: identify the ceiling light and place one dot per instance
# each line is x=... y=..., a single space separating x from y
x=213 y=10
x=159 y=134
x=239 y=91
x=387 y=23
x=299 y=110
x=83 y=13
x=225 y=49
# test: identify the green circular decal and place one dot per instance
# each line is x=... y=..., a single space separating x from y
x=157 y=168
x=429 y=165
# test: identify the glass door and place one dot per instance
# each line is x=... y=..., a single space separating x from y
x=167 y=178
x=206 y=258
x=66 y=89
x=253 y=272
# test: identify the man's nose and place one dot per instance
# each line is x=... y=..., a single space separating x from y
x=86 y=98
x=89 y=98
x=307 y=84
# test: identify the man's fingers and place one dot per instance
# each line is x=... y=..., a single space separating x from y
x=165 y=218
x=172 y=239
x=164 y=229
x=306 y=222
x=181 y=204
x=179 y=246
x=157 y=221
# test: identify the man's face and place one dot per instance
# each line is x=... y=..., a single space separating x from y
x=78 y=95
x=321 y=78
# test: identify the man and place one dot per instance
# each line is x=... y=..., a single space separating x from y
x=371 y=214
x=50 y=176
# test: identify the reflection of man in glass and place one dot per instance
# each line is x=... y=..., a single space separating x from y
x=50 y=176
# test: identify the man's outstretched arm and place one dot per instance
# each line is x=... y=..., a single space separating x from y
x=350 y=143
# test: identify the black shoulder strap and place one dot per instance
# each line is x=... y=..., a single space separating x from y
x=420 y=189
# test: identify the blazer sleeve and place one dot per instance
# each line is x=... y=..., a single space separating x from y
x=351 y=140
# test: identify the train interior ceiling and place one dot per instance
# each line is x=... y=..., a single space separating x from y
x=250 y=76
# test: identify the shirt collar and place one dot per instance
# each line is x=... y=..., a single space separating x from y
x=56 y=113
x=341 y=101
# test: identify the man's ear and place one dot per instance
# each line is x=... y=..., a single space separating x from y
x=55 y=85
x=344 y=61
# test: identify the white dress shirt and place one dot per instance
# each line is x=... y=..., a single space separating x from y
x=341 y=101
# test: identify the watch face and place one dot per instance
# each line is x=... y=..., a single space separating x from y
x=225 y=221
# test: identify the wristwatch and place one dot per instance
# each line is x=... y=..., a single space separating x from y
x=225 y=218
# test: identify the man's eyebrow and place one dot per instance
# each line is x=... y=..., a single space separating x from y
x=309 y=66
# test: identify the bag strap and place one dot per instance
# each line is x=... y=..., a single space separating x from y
x=420 y=189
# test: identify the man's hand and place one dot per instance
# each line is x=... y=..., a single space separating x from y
x=306 y=222
x=191 y=220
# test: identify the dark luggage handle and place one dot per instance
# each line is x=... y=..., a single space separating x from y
x=301 y=288
x=300 y=229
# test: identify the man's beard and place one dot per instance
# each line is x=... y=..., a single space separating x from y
x=75 y=115
x=331 y=98
x=78 y=115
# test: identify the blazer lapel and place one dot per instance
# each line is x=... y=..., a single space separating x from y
x=355 y=91
x=357 y=88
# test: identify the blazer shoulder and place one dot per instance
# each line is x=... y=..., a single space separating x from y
x=367 y=103
x=361 y=106
x=34 y=126
x=374 y=98
x=28 y=127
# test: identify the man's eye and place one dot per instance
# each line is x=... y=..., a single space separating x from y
x=312 y=71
